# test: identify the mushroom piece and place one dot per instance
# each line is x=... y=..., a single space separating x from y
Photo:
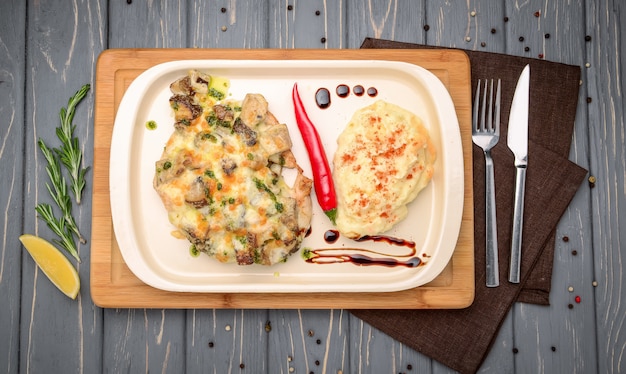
x=302 y=193
x=182 y=87
x=289 y=217
x=247 y=134
x=198 y=194
x=223 y=113
x=166 y=170
x=185 y=110
x=275 y=139
x=199 y=240
x=247 y=255
x=228 y=165
x=200 y=81
x=253 y=109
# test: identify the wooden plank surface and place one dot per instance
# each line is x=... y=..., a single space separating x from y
x=12 y=130
x=114 y=285
x=49 y=48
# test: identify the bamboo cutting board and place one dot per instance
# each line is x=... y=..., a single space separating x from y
x=113 y=285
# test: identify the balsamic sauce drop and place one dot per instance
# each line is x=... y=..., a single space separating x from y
x=342 y=90
x=372 y=91
x=331 y=236
x=322 y=98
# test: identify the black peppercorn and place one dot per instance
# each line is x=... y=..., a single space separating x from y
x=506 y=19
x=547 y=36
x=482 y=44
x=570 y=306
x=318 y=341
x=223 y=10
x=515 y=350
x=521 y=38
x=588 y=38
x=574 y=252
x=493 y=31
x=317 y=13
x=289 y=7
x=211 y=344
x=526 y=49
x=588 y=100
x=426 y=27
x=323 y=40
x=553 y=348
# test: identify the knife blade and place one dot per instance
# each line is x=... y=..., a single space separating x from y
x=517 y=141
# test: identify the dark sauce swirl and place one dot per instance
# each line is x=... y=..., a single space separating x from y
x=358 y=257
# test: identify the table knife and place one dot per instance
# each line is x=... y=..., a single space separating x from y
x=517 y=140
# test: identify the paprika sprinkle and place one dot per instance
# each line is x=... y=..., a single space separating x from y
x=322 y=176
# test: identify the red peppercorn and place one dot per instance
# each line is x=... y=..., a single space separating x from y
x=577 y=299
x=537 y=13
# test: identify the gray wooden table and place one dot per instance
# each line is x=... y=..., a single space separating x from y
x=48 y=49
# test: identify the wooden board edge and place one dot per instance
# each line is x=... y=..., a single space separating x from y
x=101 y=288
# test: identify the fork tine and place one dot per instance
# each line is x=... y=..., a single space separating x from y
x=497 y=113
x=483 y=109
x=490 y=115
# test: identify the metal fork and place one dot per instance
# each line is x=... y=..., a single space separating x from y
x=486 y=134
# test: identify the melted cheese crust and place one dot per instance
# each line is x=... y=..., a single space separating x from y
x=384 y=158
x=224 y=194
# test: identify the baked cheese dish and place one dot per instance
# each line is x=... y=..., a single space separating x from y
x=384 y=158
x=220 y=176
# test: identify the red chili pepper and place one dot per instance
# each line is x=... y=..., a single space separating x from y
x=322 y=176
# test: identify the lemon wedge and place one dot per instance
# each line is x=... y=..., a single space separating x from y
x=53 y=263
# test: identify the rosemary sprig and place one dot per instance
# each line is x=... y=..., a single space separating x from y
x=58 y=227
x=70 y=153
x=58 y=191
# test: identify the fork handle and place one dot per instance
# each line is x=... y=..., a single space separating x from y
x=493 y=276
x=518 y=220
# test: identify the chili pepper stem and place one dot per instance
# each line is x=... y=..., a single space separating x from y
x=332 y=214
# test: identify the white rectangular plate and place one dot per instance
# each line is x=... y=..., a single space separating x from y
x=159 y=259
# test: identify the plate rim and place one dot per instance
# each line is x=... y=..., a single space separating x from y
x=159 y=69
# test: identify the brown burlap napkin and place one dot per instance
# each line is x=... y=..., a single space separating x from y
x=461 y=339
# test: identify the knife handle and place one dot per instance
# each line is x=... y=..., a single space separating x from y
x=518 y=220
x=491 y=247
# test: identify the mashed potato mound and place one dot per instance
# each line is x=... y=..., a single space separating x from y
x=384 y=159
